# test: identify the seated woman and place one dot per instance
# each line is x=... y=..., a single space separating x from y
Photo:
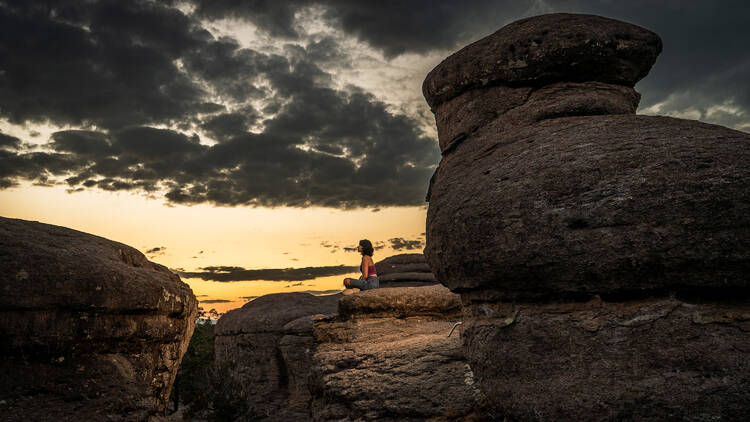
x=369 y=278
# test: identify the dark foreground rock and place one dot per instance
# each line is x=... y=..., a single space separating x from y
x=648 y=360
x=405 y=270
x=601 y=257
x=267 y=347
x=89 y=328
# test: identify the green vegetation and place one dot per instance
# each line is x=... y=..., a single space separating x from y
x=205 y=390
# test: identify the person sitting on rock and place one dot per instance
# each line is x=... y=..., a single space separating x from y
x=369 y=278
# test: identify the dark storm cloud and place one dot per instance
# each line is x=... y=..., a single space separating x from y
x=226 y=274
x=393 y=26
x=705 y=62
x=276 y=17
x=226 y=125
x=287 y=134
x=318 y=146
x=10 y=142
x=399 y=243
x=107 y=63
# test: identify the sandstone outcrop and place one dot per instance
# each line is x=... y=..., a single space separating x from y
x=267 y=346
x=387 y=356
x=405 y=270
x=602 y=257
x=381 y=354
x=89 y=328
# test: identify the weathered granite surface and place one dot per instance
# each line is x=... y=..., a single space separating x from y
x=387 y=357
x=381 y=354
x=542 y=50
x=267 y=346
x=658 y=359
x=602 y=257
x=89 y=328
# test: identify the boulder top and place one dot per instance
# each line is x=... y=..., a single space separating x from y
x=545 y=49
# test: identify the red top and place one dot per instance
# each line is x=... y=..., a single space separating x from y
x=370 y=271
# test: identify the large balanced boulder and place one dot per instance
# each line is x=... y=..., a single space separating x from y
x=405 y=270
x=568 y=225
x=89 y=328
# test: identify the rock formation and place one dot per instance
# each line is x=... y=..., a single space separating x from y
x=387 y=357
x=268 y=345
x=405 y=270
x=89 y=328
x=381 y=354
x=602 y=257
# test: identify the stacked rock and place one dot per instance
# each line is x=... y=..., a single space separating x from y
x=381 y=354
x=602 y=257
x=405 y=270
x=89 y=328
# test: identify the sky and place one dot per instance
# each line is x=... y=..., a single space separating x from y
x=248 y=145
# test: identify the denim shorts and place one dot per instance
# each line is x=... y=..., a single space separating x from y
x=372 y=282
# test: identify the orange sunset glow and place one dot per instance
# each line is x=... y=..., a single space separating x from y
x=191 y=237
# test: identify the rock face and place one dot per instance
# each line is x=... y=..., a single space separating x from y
x=381 y=354
x=405 y=270
x=89 y=328
x=267 y=345
x=623 y=241
x=387 y=357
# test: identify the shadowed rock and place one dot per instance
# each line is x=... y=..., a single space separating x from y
x=267 y=347
x=89 y=328
x=387 y=357
x=532 y=204
x=601 y=257
x=405 y=270
x=546 y=49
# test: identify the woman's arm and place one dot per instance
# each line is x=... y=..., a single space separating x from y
x=364 y=268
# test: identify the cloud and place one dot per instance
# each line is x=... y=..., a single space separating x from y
x=228 y=273
x=158 y=250
x=312 y=144
x=9 y=142
x=399 y=243
x=152 y=102
x=415 y=26
x=216 y=301
x=110 y=64
x=704 y=61
x=376 y=245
